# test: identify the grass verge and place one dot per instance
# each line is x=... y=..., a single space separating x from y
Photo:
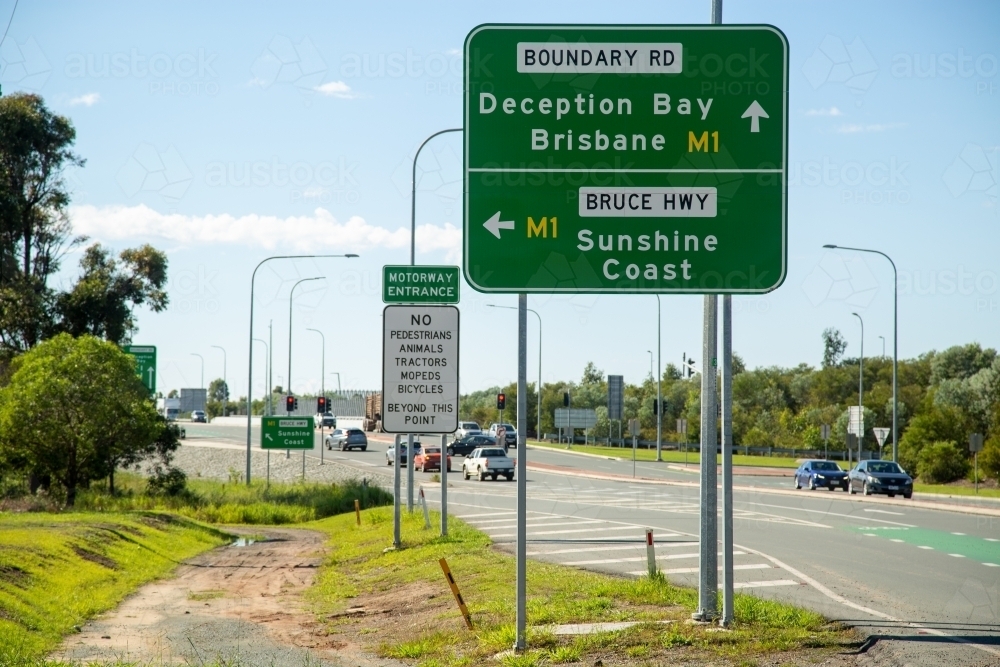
x=235 y=502
x=965 y=489
x=675 y=457
x=399 y=604
x=58 y=570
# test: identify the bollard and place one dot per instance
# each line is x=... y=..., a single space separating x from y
x=650 y=553
x=357 y=511
x=423 y=503
x=454 y=590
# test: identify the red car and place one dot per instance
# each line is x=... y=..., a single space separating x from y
x=429 y=458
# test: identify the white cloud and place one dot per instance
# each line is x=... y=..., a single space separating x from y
x=87 y=100
x=832 y=111
x=299 y=233
x=336 y=89
x=875 y=127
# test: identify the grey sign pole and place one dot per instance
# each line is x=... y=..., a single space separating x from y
x=444 y=485
x=396 y=537
x=521 y=643
x=727 y=460
x=708 y=537
x=409 y=472
x=659 y=392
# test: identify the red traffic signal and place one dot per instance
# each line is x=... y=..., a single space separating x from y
x=321 y=405
x=501 y=401
x=290 y=403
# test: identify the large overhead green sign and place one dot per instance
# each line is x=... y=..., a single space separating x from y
x=286 y=433
x=145 y=364
x=626 y=158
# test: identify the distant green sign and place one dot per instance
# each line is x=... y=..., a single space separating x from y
x=145 y=364
x=286 y=433
x=420 y=284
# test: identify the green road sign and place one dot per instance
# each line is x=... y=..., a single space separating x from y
x=626 y=158
x=286 y=433
x=145 y=364
x=420 y=284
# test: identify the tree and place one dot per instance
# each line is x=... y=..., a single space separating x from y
x=592 y=374
x=833 y=347
x=103 y=300
x=74 y=409
x=35 y=148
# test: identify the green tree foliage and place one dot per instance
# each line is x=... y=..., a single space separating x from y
x=989 y=458
x=833 y=347
x=104 y=298
x=73 y=410
x=942 y=462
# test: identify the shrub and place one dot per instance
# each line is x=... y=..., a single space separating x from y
x=989 y=459
x=168 y=481
x=941 y=462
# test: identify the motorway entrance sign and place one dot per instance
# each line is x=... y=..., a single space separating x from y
x=420 y=284
x=145 y=364
x=626 y=159
x=420 y=369
x=286 y=433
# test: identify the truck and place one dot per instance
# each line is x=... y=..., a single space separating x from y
x=169 y=408
x=373 y=412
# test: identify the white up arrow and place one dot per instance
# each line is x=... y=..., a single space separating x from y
x=755 y=112
x=495 y=224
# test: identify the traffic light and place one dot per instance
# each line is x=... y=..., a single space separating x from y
x=291 y=403
x=321 y=405
x=689 y=368
x=565 y=399
x=656 y=406
x=501 y=401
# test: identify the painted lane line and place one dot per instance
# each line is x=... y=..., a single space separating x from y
x=924 y=547
x=608 y=561
x=991 y=565
x=564 y=532
x=624 y=547
x=869 y=534
x=537 y=523
x=956 y=555
x=868 y=610
x=695 y=570
x=837 y=514
x=991 y=539
x=765 y=584
x=884 y=512
x=958 y=533
x=895 y=540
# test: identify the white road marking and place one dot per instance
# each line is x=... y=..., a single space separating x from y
x=958 y=533
x=536 y=524
x=563 y=532
x=695 y=570
x=895 y=540
x=922 y=547
x=765 y=584
x=608 y=561
x=884 y=512
x=956 y=555
x=623 y=547
x=991 y=565
x=991 y=539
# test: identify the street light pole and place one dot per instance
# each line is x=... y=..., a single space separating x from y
x=895 y=341
x=270 y=370
x=861 y=385
x=291 y=300
x=413 y=195
x=195 y=354
x=225 y=382
x=267 y=368
x=322 y=384
x=883 y=346
x=538 y=422
x=338 y=381
x=253 y=279
x=650 y=352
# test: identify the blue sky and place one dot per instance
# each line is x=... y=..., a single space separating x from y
x=226 y=132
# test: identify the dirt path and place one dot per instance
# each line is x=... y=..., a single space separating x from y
x=234 y=605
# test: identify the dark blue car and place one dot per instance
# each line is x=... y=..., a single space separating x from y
x=820 y=475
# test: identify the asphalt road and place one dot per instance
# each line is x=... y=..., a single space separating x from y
x=927 y=581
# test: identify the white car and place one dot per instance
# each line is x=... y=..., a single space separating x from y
x=488 y=462
x=467 y=428
x=510 y=434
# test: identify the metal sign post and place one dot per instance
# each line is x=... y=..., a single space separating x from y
x=824 y=432
x=396 y=533
x=708 y=536
x=976 y=446
x=444 y=485
x=633 y=429
x=728 y=612
x=521 y=641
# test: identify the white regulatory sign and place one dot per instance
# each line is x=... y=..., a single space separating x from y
x=420 y=369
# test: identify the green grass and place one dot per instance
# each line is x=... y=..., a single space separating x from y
x=956 y=490
x=674 y=457
x=358 y=570
x=58 y=570
x=235 y=502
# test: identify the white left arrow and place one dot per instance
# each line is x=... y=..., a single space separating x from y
x=495 y=224
x=268 y=436
x=755 y=112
